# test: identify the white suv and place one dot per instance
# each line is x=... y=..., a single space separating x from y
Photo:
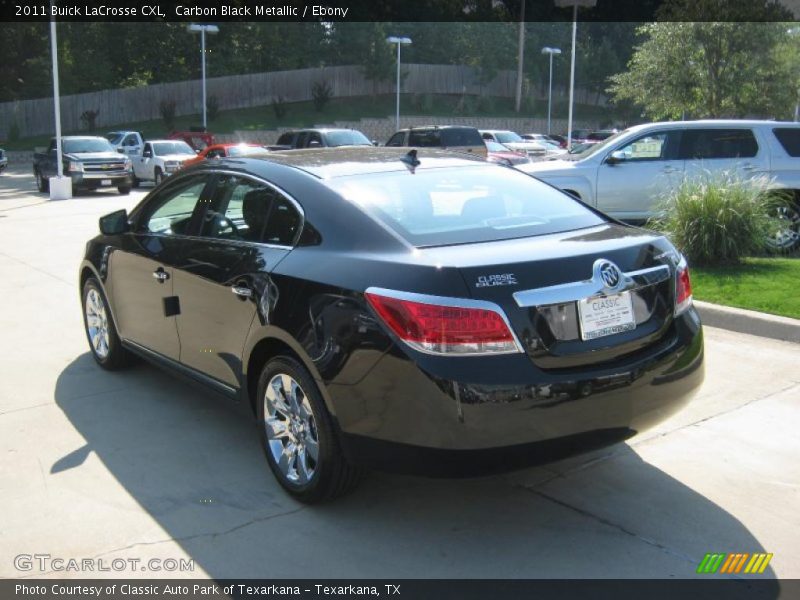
x=629 y=174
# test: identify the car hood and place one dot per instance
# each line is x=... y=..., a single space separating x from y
x=94 y=155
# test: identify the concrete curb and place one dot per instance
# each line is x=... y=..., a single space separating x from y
x=749 y=321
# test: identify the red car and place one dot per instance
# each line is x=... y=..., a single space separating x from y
x=225 y=150
x=497 y=152
x=198 y=140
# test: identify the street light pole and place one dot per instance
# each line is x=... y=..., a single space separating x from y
x=194 y=28
x=399 y=41
x=574 y=4
x=551 y=52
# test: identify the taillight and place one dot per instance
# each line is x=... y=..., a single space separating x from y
x=683 y=288
x=443 y=325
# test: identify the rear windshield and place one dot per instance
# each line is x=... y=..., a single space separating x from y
x=347 y=138
x=167 y=148
x=115 y=137
x=245 y=150
x=789 y=137
x=461 y=137
x=439 y=207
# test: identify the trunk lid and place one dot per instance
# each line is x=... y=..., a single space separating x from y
x=539 y=282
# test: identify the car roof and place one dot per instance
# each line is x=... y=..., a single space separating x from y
x=82 y=137
x=418 y=127
x=321 y=129
x=715 y=123
x=327 y=163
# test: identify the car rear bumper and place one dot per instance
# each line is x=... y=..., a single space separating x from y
x=404 y=416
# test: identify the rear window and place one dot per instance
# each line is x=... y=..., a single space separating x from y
x=446 y=206
x=702 y=144
x=789 y=137
x=461 y=137
x=347 y=138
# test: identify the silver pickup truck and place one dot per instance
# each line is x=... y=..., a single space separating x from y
x=629 y=174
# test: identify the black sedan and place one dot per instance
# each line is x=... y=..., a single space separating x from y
x=378 y=307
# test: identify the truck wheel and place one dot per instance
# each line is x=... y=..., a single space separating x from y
x=158 y=177
x=42 y=182
x=135 y=182
x=124 y=190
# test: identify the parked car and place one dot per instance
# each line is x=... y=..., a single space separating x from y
x=91 y=163
x=198 y=139
x=3 y=160
x=449 y=137
x=126 y=142
x=600 y=135
x=499 y=153
x=515 y=142
x=321 y=138
x=629 y=174
x=549 y=141
x=580 y=135
x=160 y=159
x=421 y=310
x=225 y=151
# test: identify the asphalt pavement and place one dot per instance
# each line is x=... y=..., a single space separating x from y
x=137 y=465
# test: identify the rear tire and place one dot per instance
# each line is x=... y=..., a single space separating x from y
x=297 y=434
x=42 y=183
x=101 y=333
x=788 y=239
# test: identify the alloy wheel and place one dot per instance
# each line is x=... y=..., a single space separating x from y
x=788 y=236
x=97 y=323
x=291 y=429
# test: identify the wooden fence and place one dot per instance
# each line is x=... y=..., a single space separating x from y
x=35 y=117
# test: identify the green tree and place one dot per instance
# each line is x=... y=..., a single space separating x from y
x=711 y=68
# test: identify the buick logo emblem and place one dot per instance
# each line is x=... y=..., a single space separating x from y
x=610 y=274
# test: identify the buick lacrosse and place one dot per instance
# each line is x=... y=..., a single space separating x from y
x=378 y=307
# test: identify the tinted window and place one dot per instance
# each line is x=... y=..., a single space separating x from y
x=171 y=212
x=302 y=139
x=167 y=148
x=347 y=138
x=461 y=137
x=425 y=138
x=396 y=139
x=507 y=137
x=467 y=204
x=114 y=137
x=283 y=224
x=286 y=139
x=704 y=144
x=789 y=139
x=131 y=140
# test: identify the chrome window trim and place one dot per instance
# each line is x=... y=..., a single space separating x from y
x=455 y=303
x=565 y=293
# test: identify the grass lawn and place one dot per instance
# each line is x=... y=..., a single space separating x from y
x=303 y=114
x=768 y=285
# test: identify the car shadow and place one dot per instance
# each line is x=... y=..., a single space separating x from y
x=193 y=463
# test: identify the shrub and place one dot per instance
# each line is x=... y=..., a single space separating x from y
x=167 y=110
x=716 y=220
x=279 y=107
x=212 y=108
x=321 y=94
x=13 y=132
x=89 y=119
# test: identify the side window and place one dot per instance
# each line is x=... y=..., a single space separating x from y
x=283 y=224
x=426 y=138
x=302 y=140
x=704 y=144
x=789 y=137
x=653 y=146
x=148 y=149
x=172 y=211
x=285 y=139
x=396 y=139
x=238 y=210
x=130 y=140
x=314 y=137
x=488 y=136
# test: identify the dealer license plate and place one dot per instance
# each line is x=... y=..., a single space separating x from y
x=606 y=315
x=105 y=182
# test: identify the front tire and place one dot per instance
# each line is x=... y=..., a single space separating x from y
x=158 y=177
x=297 y=434
x=42 y=183
x=124 y=190
x=787 y=239
x=101 y=333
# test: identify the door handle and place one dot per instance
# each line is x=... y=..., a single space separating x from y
x=748 y=167
x=160 y=275
x=669 y=170
x=242 y=291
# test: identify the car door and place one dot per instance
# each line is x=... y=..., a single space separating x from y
x=716 y=151
x=143 y=164
x=141 y=271
x=247 y=227
x=633 y=186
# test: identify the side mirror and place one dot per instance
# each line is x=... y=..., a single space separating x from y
x=374 y=142
x=147 y=154
x=114 y=223
x=616 y=157
x=120 y=150
x=197 y=151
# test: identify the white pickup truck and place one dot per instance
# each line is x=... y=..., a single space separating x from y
x=126 y=142
x=629 y=174
x=160 y=159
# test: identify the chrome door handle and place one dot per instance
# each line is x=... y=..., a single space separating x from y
x=160 y=275
x=242 y=291
x=668 y=170
x=748 y=167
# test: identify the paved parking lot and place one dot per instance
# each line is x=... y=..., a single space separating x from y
x=138 y=465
